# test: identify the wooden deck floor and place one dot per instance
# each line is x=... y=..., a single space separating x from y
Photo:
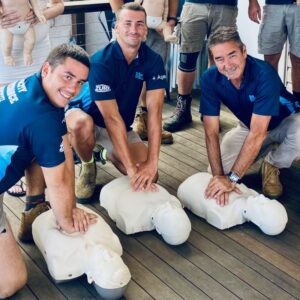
x=239 y=263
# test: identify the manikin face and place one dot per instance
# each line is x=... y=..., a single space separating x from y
x=63 y=82
x=131 y=28
x=230 y=60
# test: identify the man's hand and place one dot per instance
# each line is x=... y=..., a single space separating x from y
x=10 y=19
x=79 y=223
x=254 y=11
x=219 y=188
x=143 y=179
x=31 y=18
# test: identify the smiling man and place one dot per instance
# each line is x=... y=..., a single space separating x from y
x=115 y=81
x=33 y=135
x=268 y=114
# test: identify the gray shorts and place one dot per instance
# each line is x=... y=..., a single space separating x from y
x=157 y=43
x=2 y=214
x=279 y=23
x=198 y=21
x=102 y=138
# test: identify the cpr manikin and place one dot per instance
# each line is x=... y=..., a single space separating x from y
x=144 y=211
x=97 y=253
x=269 y=215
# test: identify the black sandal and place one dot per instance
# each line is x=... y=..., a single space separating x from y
x=22 y=188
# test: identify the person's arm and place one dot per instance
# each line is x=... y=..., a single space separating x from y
x=147 y=171
x=254 y=11
x=252 y=145
x=220 y=185
x=116 y=5
x=173 y=7
x=117 y=132
x=60 y=181
x=55 y=9
x=211 y=127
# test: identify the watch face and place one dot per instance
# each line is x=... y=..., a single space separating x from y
x=234 y=177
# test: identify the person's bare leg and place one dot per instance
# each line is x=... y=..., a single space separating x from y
x=29 y=39
x=185 y=82
x=82 y=138
x=13 y=273
x=295 y=74
x=273 y=59
x=35 y=180
x=81 y=133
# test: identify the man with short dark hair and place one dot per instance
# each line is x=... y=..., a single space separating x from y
x=33 y=135
x=116 y=78
x=268 y=113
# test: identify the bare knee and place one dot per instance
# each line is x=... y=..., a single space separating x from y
x=9 y=286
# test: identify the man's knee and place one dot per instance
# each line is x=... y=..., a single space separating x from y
x=81 y=126
x=188 y=61
x=9 y=286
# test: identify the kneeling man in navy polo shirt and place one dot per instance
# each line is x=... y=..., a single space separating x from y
x=33 y=135
x=115 y=82
x=268 y=113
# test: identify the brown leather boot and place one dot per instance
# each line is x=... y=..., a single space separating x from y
x=27 y=218
x=140 y=127
x=271 y=184
x=86 y=183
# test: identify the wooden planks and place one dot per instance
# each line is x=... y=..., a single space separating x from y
x=240 y=263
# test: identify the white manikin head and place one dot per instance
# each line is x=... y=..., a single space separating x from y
x=269 y=215
x=107 y=270
x=171 y=222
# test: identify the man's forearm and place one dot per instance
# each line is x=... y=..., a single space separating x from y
x=248 y=153
x=154 y=135
x=214 y=154
x=118 y=134
x=116 y=5
x=173 y=7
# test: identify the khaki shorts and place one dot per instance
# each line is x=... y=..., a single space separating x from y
x=279 y=23
x=157 y=43
x=2 y=214
x=198 y=21
x=104 y=140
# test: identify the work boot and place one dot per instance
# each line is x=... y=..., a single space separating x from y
x=27 y=218
x=182 y=115
x=140 y=127
x=271 y=184
x=85 y=184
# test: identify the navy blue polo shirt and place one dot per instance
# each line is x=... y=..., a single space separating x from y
x=111 y=77
x=280 y=2
x=261 y=93
x=31 y=128
x=220 y=2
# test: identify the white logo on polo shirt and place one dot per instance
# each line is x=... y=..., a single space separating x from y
x=102 y=88
x=61 y=148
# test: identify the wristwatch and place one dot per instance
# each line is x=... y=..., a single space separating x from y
x=233 y=177
x=172 y=18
